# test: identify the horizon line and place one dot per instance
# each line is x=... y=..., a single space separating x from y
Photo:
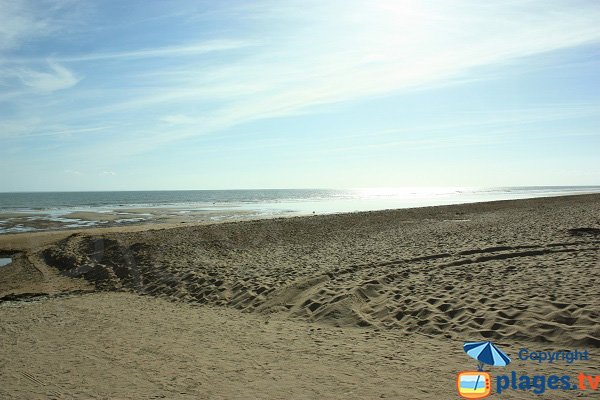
x=301 y=188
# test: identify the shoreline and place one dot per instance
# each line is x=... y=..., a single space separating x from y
x=152 y=225
x=74 y=218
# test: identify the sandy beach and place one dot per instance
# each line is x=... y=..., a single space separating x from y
x=361 y=305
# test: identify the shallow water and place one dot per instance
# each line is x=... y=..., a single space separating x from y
x=330 y=199
x=5 y=261
x=25 y=212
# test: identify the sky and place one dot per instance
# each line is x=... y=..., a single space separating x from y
x=158 y=95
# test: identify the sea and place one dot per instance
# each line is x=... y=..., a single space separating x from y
x=257 y=203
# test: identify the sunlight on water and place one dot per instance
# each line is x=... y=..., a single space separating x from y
x=24 y=212
x=407 y=192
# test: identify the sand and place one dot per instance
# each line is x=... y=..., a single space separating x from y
x=362 y=305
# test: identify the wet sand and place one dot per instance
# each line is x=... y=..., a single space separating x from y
x=123 y=217
x=362 y=305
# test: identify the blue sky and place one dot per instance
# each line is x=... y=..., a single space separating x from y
x=128 y=95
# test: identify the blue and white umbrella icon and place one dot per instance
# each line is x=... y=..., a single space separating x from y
x=486 y=353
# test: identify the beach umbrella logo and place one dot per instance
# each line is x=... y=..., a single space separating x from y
x=486 y=353
x=478 y=384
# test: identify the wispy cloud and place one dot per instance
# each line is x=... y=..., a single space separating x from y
x=168 y=51
x=55 y=78
x=453 y=140
x=27 y=20
x=178 y=119
x=18 y=22
x=368 y=49
x=35 y=128
x=293 y=57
